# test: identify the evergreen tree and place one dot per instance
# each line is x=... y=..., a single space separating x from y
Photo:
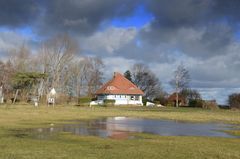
x=128 y=75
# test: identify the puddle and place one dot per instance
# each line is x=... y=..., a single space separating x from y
x=123 y=127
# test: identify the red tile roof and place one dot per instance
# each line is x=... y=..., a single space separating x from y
x=119 y=85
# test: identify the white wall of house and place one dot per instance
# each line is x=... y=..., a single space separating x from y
x=123 y=99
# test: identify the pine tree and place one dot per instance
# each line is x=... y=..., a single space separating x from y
x=128 y=75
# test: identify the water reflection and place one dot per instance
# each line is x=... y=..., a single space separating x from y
x=121 y=128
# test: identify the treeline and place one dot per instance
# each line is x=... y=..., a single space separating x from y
x=147 y=81
x=184 y=95
x=234 y=100
x=56 y=64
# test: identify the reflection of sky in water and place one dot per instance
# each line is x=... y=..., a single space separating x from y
x=119 y=127
x=168 y=127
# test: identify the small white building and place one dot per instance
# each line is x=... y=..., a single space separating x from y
x=120 y=89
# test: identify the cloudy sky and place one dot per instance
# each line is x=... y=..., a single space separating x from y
x=204 y=35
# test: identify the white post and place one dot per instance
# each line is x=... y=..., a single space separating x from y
x=36 y=104
x=53 y=102
x=140 y=98
x=1 y=95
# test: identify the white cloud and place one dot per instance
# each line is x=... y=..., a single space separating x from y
x=10 y=40
x=109 y=40
x=117 y=64
x=220 y=94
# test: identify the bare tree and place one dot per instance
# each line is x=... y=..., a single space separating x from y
x=57 y=54
x=180 y=81
x=20 y=58
x=86 y=76
x=93 y=73
x=2 y=71
x=75 y=82
x=191 y=94
x=6 y=73
x=146 y=80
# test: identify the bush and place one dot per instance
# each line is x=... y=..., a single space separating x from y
x=210 y=104
x=61 y=99
x=145 y=100
x=109 y=102
x=17 y=100
x=196 y=103
x=85 y=99
x=161 y=100
x=234 y=100
x=170 y=104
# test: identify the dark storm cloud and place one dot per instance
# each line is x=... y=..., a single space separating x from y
x=192 y=13
x=83 y=16
x=198 y=28
x=227 y=8
x=147 y=52
x=74 y=16
x=14 y=13
x=177 y=13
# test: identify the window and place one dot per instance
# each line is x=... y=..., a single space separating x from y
x=136 y=97
x=100 y=97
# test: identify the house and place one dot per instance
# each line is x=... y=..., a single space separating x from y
x=121 y=90
x=172 y=99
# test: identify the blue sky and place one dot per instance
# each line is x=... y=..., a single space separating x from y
x=137 y=19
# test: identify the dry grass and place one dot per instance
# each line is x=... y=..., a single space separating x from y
x=18 y=115
x=64 y=146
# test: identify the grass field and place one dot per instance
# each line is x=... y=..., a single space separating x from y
x=66 y=145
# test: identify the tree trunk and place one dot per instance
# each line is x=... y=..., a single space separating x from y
x=177 y=99
x=78 y=94
x=177 y=88
x=15 y=97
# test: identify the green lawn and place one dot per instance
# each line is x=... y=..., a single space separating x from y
x=65 y=145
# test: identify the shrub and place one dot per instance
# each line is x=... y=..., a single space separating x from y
x=234 y=100
x=170 y=104
x=196 y=103
x=212 y=104
x=17 y=100
x=61 y=99
x=145 y=100
x=161 y=100
x=109 y=102
x=85 y=99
